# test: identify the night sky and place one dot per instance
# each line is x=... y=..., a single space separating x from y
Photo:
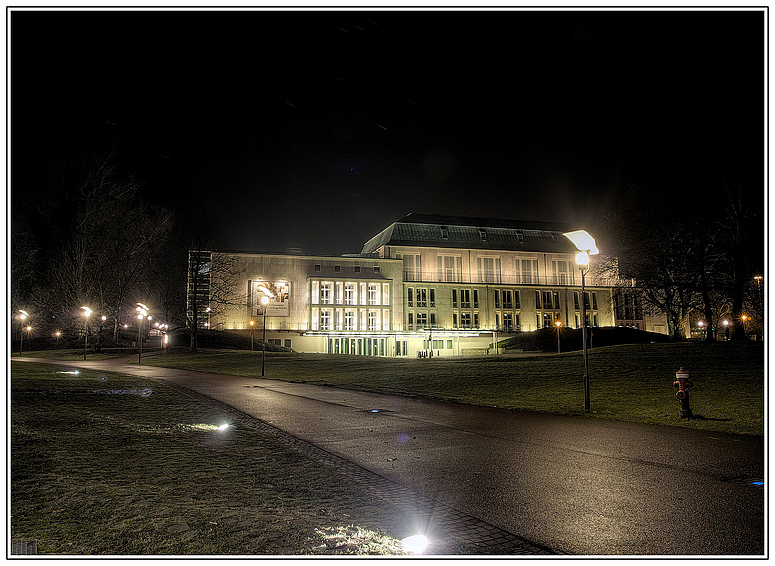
x=317 y=129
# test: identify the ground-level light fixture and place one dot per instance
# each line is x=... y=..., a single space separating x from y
x=586 y=246
x=415 y=544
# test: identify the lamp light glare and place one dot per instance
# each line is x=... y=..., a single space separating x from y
x=415 y=544
x=223 y=426
x=264 y=300
x=583 y=241
x=582 y=258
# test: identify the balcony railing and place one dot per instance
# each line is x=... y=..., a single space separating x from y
x=484 y=278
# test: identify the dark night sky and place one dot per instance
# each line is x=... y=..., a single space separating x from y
x=316 y=129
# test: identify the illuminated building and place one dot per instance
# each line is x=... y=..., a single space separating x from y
x=426 y=283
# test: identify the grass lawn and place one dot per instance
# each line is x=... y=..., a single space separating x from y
x=631 y=383
x=108 y=464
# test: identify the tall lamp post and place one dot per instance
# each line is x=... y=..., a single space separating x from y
x=252 y=323
x=265 y=302
x=22 y=316
x=585 y=244
x=142 y=314
x=558 y=324
x=86 y=312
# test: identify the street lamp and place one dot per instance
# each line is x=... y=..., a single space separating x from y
x=143 y=313
x=265 y=302
x=86 y=312
x=558 y=324
x=585 y=244
x=22 y=317
x=252 y=323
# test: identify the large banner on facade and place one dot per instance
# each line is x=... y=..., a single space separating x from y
x=278 y=293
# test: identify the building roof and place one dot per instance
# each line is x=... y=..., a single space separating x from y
x=437 y=231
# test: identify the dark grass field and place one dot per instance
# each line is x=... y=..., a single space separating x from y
x=632 y=383
x=105 y=464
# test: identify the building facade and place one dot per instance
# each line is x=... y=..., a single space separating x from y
x=425 y=285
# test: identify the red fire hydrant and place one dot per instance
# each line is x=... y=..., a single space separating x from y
x=683 y=384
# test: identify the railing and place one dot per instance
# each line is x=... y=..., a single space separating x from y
x=557 y=280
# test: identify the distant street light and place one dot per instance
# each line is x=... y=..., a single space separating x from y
x=265 y=302
x=143 y=313
x=86 y=312
x=22 y=318
x=558 y=324
x=252 y=323
x=585 y=244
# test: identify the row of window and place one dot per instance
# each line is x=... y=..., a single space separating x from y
x=346 y=293
x=507 y=321
x=488 y=270
x=350 y=319
x=504 y=298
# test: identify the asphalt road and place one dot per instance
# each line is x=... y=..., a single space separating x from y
x=576 y=485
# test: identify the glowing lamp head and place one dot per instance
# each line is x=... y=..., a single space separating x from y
x=700 y=324
x=558 y=324
x=582 y=258
x=726 y=322
x=86 y=311
x=23 y=314
x=415 y=544
x=264 y=300
x=252 y=322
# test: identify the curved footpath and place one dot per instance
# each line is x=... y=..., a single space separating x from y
x=501 y=478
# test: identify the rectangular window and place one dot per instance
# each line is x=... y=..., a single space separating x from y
x=349 y=320
x=465 y=299
x=325 y=320
x=317 y=267
x=594 y=301
x=449 y=268
x=349 y=293
x=385 y=319
x=339 y=293
x=412 y=267
x=364 y=294
x=576 y=301
x=373 y=320
x=561 y=273
x=422 y=319
x=386 y=294
x=337 y=268
x=373 y=293
x=432 y=296
x=547 y=296
x=507 y=324
x=410 y=297
x=438 y=344
x=538 y=300
x=489 y=269
x=507 y=304
x=422 y=297
x=326 y=297
x=449 y=344
x=516 y=299
x=465 y=319
x=556 y=296
x=315 y=292
x=476 y=320
x=433 y=319
x=497 y=299
x=529 y=271
x=476 y=298
x=410 y=320
x=454 y=298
